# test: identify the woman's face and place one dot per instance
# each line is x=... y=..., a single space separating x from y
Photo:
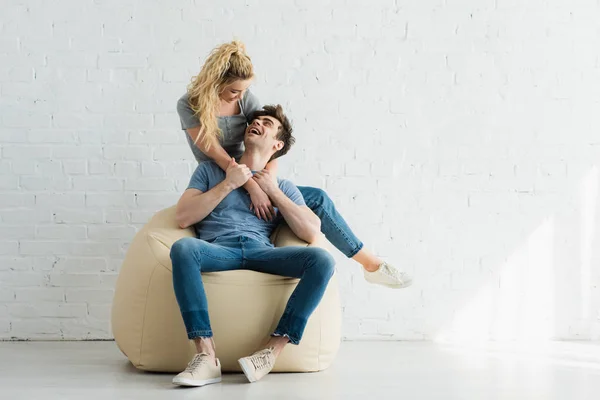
x=235 y=91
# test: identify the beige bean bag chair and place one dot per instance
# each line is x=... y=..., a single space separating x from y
x=244 y=308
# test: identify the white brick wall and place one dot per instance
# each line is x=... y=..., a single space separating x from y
x=459 y=138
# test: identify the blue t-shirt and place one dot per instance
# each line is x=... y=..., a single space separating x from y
x=232 y=217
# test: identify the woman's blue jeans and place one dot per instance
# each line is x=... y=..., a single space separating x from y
x=190 y=256
x=333 y=226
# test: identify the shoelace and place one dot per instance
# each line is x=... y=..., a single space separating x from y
x=261 y=360
x=198 y=360
x=393 y=273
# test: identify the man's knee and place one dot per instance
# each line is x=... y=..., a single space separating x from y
x=323 y=262
x=186 y=249
x=183 y=246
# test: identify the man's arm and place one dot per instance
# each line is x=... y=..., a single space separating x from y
x=301 y=220
x=194 y=205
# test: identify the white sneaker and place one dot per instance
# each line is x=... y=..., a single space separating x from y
x=388 y=275
x=202 y=370
x=258 y=364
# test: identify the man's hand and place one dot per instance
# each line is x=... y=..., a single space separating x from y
x=237 y=174
x=266 y=181
x=261 y=204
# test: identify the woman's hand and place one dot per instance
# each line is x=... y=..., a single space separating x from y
x=266 y=181
x=237 y=174
x=261 y=204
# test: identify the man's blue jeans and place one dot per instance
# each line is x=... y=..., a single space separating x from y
x=333 y=226
x=190 y=256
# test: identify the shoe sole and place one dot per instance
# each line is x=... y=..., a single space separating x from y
x=247 y=370
x=401 y=286
x=192 y=382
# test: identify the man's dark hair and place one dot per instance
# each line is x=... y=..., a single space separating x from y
x=284 y=133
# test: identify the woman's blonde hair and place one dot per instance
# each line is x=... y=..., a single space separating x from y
x=225 y=64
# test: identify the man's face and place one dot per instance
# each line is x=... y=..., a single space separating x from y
x=262 y=133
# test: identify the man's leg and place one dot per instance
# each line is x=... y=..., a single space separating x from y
x=191 y=257
x=314 y=266
x=337 y=231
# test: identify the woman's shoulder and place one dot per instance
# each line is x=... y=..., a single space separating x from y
x=188 y=117
x=184 y=102
x=250 y=103
x=249 y=94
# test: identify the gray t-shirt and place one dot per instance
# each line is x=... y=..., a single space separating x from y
x=232 y=217
x=232 y=127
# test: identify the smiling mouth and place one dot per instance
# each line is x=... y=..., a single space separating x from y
x=255 y=131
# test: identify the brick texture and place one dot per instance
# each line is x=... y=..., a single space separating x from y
x=459 y=138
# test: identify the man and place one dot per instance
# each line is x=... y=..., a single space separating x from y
x=229 y=237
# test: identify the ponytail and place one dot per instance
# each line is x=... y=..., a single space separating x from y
x=225 y=64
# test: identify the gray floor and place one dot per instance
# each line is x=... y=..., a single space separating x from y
x=363 y=370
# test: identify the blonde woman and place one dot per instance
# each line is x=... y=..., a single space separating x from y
x=215 y=112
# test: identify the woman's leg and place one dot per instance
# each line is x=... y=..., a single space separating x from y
x=336 y=230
